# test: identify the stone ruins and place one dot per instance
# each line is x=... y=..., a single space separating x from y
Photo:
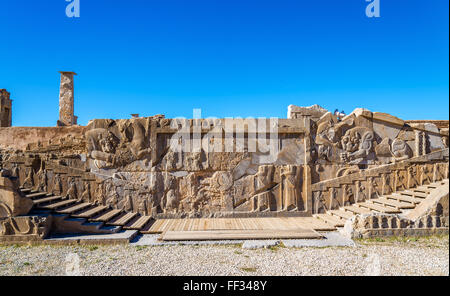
x=5 y=109
x=369 y=173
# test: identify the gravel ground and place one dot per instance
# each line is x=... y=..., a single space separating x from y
x=395 y=256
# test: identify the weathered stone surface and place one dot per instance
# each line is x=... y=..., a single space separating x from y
x=309 y=163
x=12 y=203
x=66 y=100
x=5 y=109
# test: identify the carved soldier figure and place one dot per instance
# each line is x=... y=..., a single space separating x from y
x=29 y=180
x=424 y=177
x=348 y=196
x=128 y=205
x=113 y=200
x=57 y=186
x=334 y=203
x=15 y=171
x=171 y=201
x=386 y=184
x=291 y=194
x=142 y=208
x=99 y=195
x=373 y=188
x=72 y=189
x=360 y=192
x=86 y=195
x=412 y=173
x=319 y=203
x=43 y=180
x=399 y=180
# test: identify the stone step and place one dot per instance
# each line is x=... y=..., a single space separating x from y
x=139 y=223
x=91 y=212
x=75 y=208
x=57 y=205
x=36 y=195
x=413 y=194
x=341 y=214
x=333 y=220
x=422 y=190
x=105 y=217
x=379 y=208
x=393 y=203
x=46 y=199
x=405 y=198
x=122 y=220
x=357 y=210
x=429 y=186
x=25 y=190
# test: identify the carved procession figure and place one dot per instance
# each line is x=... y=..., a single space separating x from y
x=72 y=192
x=291 y=184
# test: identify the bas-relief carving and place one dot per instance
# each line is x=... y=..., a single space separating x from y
x=124 y=152
x=28 y=225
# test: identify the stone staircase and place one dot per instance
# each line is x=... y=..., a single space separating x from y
x=395 y=203
x=88 y=216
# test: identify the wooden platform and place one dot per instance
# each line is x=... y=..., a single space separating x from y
x=212 y=224
x=239 y=234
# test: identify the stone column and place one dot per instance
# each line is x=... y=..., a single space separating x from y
x=5 y=109
x=66 y=98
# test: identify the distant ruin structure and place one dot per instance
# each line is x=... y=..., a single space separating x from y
x=66 y=100
x=5 y=109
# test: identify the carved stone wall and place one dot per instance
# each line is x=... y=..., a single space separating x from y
x=313 y=162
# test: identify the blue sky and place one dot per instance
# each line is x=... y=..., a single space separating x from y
x=229 y=57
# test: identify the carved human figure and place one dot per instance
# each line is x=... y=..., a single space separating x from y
x=99 y=198
x=399 y=180
x=424 y=175
x=72 y=192
x=412 y=174
x=128 y=204
x=42 y=180
x=101 y=145
x=171 y=201
x=15 y=171
x=348 y=195
x=334 y=203
x=86 y=195
x=291 y=184
x=113 y=200
x=264 y=177
x=29 y=180
x=319 y=202
x=387 y=189
x=360 y=192
x=357 y=144
x=373 y=188
x=57 y=186
x=143 y=208
x=170 y=160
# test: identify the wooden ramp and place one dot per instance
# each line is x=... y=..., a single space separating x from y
x=219 y=224
x=239 y=234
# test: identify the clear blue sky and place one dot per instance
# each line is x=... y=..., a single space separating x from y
x=229 y=57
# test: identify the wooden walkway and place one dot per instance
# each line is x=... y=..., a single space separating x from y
x=217 y=224
x=240 y=234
